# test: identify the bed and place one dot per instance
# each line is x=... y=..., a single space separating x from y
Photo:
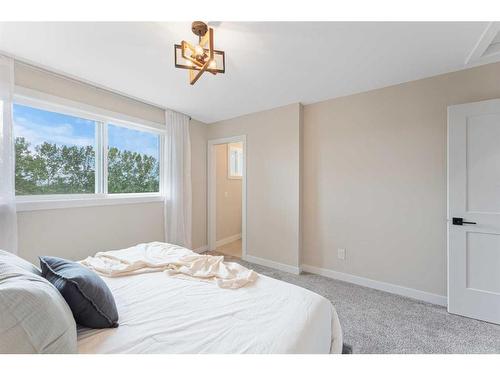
x=162 y=314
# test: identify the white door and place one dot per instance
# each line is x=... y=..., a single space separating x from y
x=474 y=210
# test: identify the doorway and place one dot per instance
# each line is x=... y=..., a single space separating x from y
x=227 y=196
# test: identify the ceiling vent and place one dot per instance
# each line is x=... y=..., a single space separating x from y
x=487 y=48
x=494 y=46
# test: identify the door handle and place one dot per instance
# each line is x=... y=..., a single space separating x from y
x=460 y=221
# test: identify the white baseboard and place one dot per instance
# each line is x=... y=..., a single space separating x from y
x=228 y=240
x=272 y=264
x=201 y=249
x=379 y=285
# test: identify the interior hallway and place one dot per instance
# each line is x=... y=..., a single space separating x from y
x=232 y=249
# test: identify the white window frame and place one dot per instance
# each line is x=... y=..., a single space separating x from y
x=102 y=117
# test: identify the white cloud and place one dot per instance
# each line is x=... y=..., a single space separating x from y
x=62 y=134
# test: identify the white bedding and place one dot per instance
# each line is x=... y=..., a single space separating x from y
x=160 y=314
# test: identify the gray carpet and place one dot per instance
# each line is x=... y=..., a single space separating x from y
x=379 y=322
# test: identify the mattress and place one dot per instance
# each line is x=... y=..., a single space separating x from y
x=161 y=314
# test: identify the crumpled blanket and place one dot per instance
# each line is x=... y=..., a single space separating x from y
x=174 y=260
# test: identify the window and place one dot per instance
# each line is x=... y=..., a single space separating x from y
x=133 y=160
x=235 y=160
x=72 y=153
x=55 y=153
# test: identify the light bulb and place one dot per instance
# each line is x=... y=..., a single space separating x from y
x=212 y=65
x=198 y=50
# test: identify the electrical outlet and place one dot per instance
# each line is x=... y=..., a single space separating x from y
x=341 y=254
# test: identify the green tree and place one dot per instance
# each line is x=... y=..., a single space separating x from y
x=25 y=168
x=79 y=168
x=132 y=172
x=54 y=169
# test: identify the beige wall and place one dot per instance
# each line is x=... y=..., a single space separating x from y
x=75 y=233
x=273 y=175
x=53 y=84
x=375 y=178
x=228 y=197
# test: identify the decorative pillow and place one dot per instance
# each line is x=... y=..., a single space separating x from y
x=6 y=257
x=34 y=318
x=87 y=295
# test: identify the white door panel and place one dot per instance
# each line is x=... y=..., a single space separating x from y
x=483 y=262
x=483 y=162
x=474 y=196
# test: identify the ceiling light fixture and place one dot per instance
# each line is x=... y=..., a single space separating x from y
x=201 y=57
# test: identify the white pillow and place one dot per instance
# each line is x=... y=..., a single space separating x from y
x=34 y=317
x=6 y=257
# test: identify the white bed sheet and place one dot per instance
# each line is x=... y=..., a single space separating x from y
x=160 y=314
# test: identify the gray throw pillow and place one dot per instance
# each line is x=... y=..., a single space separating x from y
x=87 y=295
x=34 y=317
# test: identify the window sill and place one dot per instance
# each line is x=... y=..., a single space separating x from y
x=55 y=202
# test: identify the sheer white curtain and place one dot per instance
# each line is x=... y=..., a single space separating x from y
x=177 y=179
x=8 y=219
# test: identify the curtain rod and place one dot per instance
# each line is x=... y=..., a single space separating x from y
x=78 y=80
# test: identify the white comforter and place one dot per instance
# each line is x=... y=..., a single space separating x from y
x=162 y=314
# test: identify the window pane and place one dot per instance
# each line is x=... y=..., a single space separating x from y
x=55 y=153
x=133 y=160
x=235 y=160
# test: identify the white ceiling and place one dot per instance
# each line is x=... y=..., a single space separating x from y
x=267 y=64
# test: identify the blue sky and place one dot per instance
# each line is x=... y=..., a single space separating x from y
x=39 y=126
x=133 y=140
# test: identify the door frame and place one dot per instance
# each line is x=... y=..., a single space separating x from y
x=212 y=196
